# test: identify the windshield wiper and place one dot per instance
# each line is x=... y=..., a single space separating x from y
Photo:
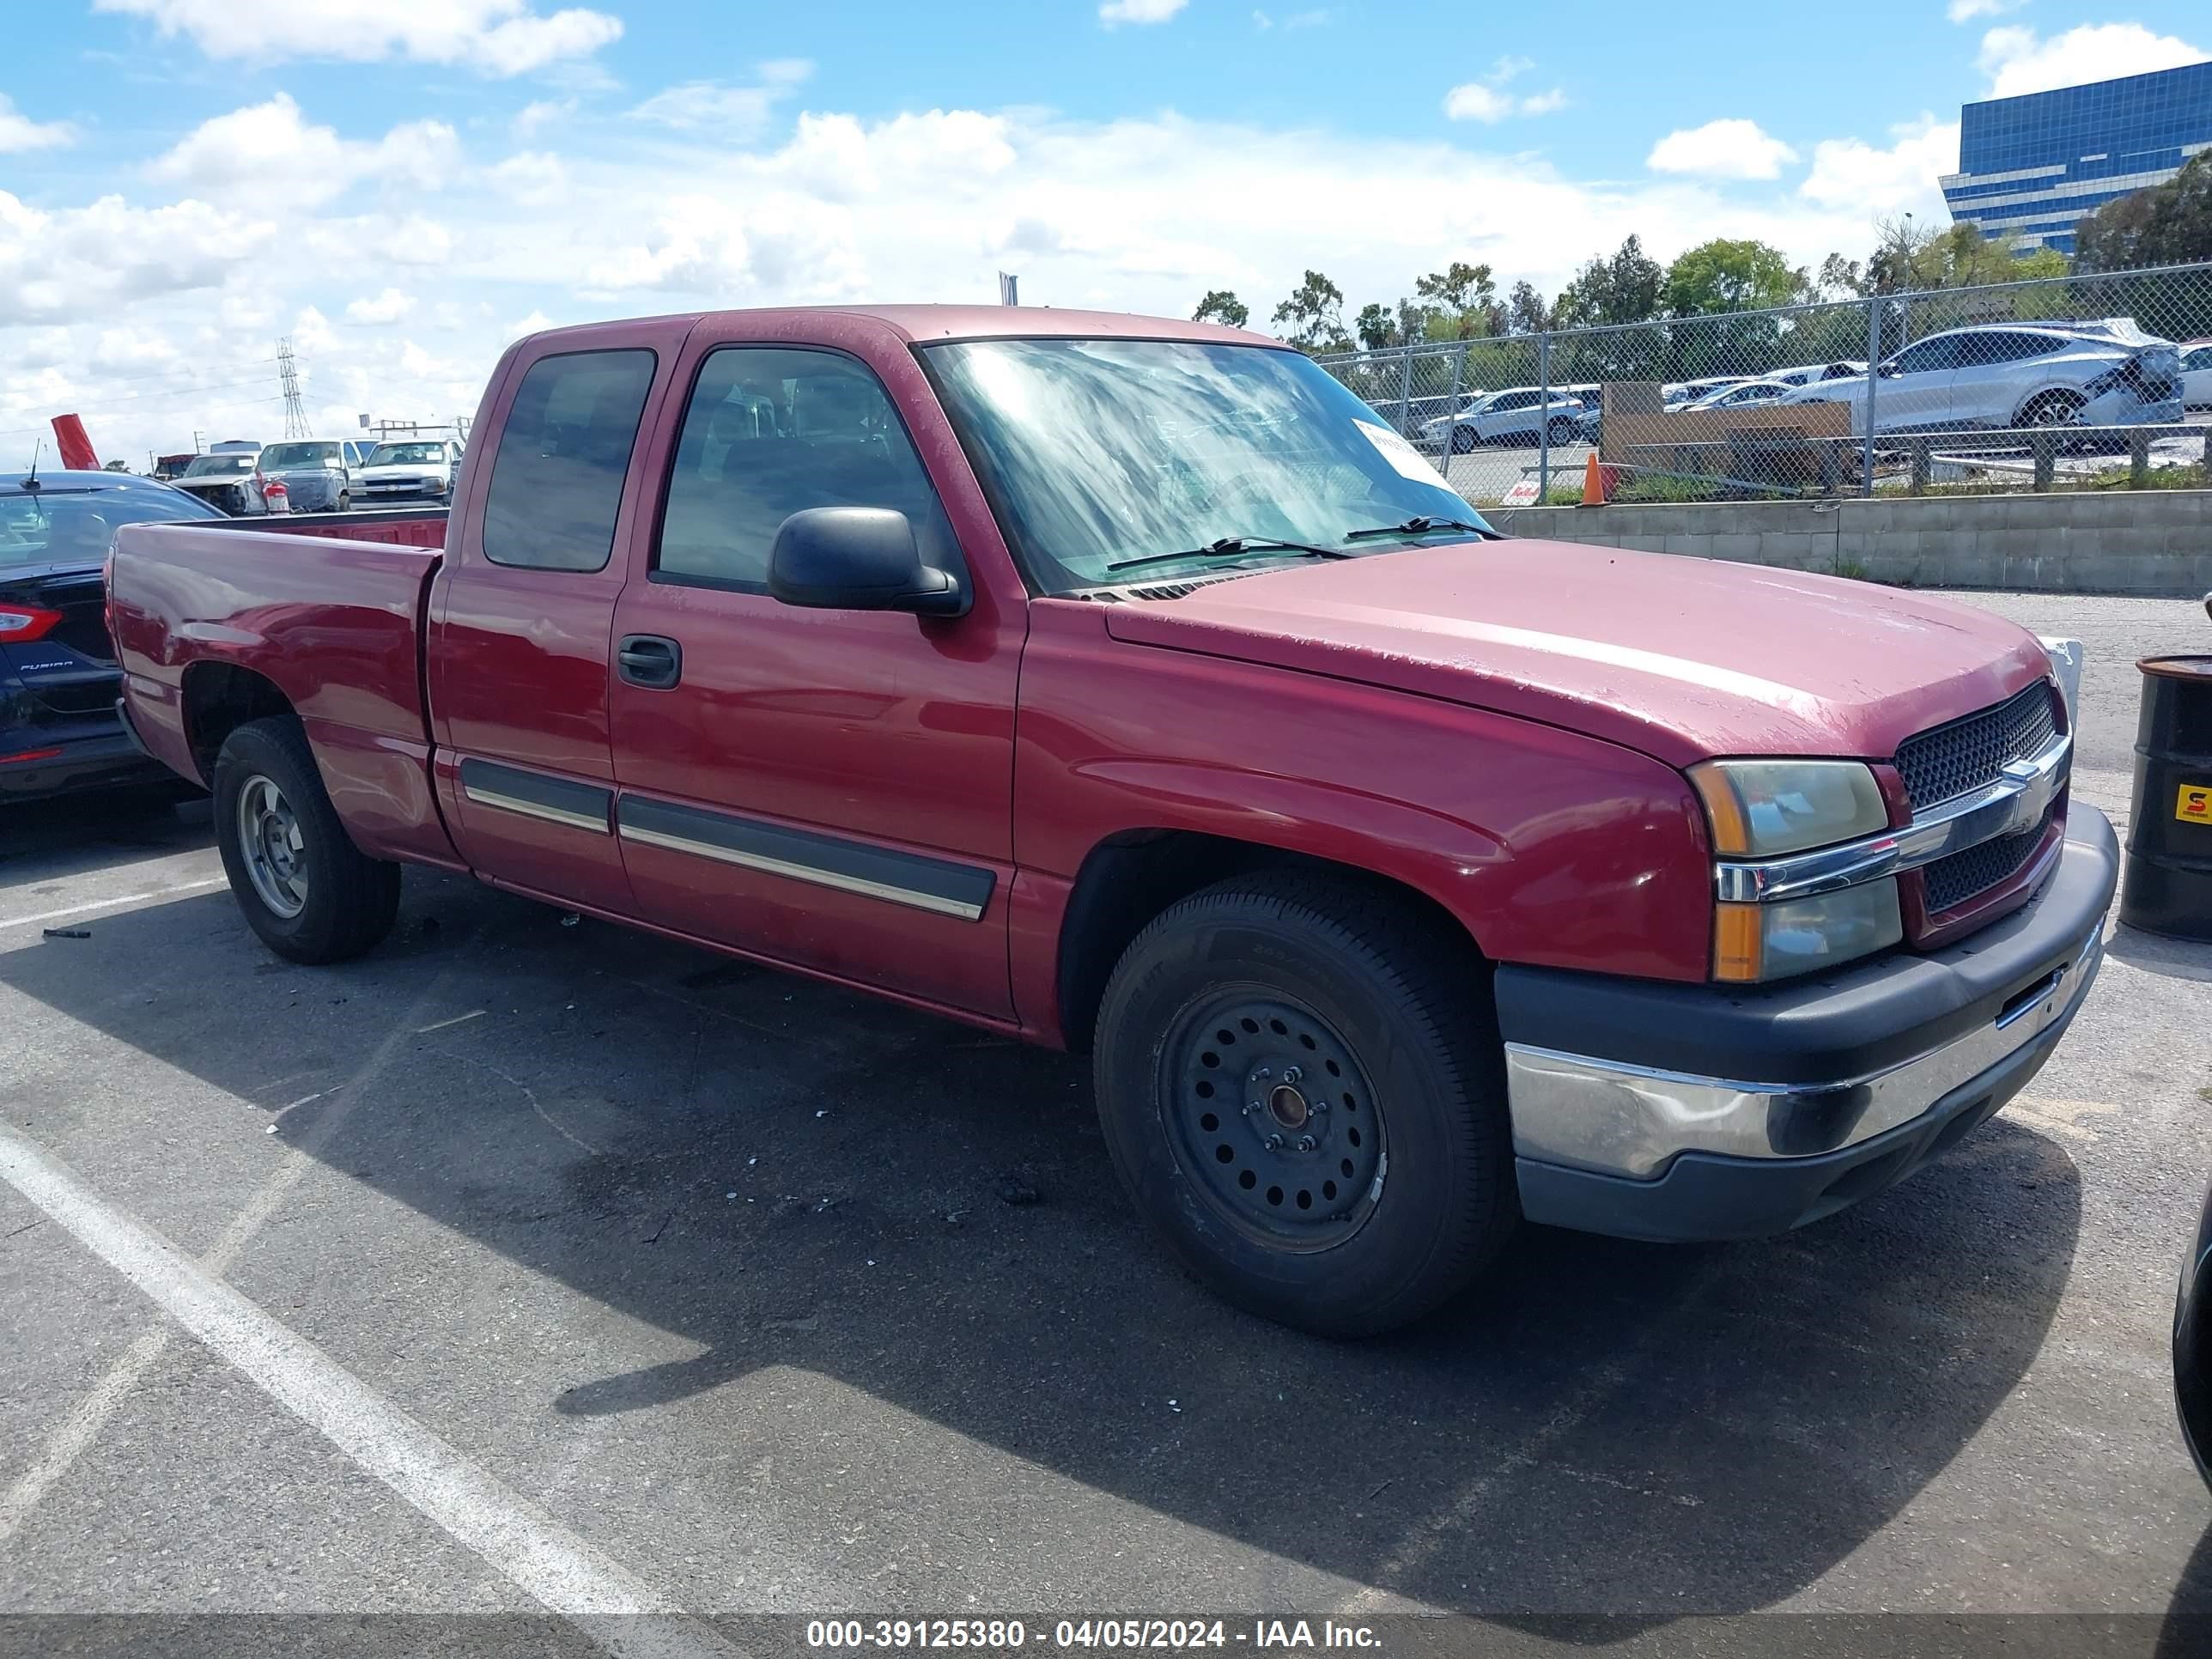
x=1422 y=526
x=1230 y=547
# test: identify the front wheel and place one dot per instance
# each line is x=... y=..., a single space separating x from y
x=345 y=502
x=305 y=889
x=1463 y=440
x=1301 y=1090
x=1563 y=432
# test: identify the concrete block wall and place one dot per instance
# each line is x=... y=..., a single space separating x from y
x=2151 y=542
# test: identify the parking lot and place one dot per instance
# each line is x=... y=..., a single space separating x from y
x=565 y=1256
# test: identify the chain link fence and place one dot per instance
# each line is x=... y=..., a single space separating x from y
x=2060 y=383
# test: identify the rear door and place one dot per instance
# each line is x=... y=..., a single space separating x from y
x=1987 y=386
x=827 y=789
x=518 y=652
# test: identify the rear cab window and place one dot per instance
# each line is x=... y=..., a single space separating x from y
x=557 y=477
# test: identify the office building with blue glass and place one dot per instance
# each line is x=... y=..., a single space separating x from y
x=2030 y=166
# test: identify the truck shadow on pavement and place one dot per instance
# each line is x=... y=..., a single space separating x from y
x=48 y=841
x=788 y=1175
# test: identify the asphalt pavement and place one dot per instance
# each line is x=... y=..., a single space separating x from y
x=532 y=1263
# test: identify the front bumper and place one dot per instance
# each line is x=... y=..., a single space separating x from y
x=1866 y=1073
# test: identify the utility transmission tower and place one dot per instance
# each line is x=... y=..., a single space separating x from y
x=296 y=413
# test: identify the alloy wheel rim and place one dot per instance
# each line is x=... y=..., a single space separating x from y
x=273 y=847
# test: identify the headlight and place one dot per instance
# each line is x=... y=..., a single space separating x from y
x=2065 y=657
x=1760 y=809
x=1752 y=942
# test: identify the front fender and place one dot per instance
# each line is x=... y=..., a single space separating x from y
x=1550 y=847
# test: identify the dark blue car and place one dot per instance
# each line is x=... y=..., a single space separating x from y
x=59 y=732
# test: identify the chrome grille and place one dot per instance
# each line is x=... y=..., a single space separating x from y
x=1965 y=875
x=1946 y=762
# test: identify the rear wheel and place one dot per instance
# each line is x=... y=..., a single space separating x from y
x=305 y=889
x=2053 y=409
x=1300 y=1088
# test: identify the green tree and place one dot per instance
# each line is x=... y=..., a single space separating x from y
x=1377 y=325
x=1728 y=275
x=1315 y=311
x=1625 y=289
x=1463 y=298
x=1221 y=305
x=2167 y=224
x=1525 y=310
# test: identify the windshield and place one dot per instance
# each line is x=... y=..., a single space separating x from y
x=52 y=527
x=216 y=466
x=407 y=455
x=1101 y=451
x=279 y=458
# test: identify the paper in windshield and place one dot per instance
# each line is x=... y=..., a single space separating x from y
x=1405 y=460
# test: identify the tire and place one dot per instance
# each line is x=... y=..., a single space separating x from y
x=2051 y=409
x=345 y=502
x=1309 y=975
x=1463 y=440
x=1563 y=432
x=345 y=901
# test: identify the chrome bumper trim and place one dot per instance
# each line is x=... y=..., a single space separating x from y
x=1631 y=1120
x=2016 y=802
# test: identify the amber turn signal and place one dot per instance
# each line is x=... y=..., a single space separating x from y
x=1739 y=934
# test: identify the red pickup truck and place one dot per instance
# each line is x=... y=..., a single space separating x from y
x=1129 y=685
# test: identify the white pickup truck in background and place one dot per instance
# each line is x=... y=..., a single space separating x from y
x=408 y=470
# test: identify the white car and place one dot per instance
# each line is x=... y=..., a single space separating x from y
x=408 y=469
x=1677 y=394
x=1744 y=394
x=2000 y=375
x=1807 y=374
x=1517 y=415
x=2196 y=374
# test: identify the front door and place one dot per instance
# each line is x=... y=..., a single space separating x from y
x=519 y=655
x=827 y=789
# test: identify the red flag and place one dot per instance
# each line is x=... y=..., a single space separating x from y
x=76 y=448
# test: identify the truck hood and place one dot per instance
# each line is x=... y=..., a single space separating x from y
x=1683 y=659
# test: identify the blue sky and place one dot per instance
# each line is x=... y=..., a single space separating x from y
x=399 y=185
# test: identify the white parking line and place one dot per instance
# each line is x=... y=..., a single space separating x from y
x=112 y=904
x=609 y=1604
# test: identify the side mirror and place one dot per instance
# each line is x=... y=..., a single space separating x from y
x=1887 y=371
x=857 y=558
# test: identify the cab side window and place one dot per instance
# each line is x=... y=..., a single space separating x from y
x=556 y=479
x=770 y=431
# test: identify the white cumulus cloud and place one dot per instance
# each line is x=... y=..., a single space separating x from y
x=1487 y=99
x=1115 y=12
x=270 y=151
x=2018 y=60
x=1849 y=172
x=712 y=106
x=1965 y=12
x=1730 y=147
x=386 y=307
x=18 y=132
x=494 y=37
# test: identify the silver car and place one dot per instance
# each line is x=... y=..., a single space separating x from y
x=317 y=474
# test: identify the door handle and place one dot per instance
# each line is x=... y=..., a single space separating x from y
x=649 y=661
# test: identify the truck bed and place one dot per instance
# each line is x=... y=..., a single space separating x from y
x=332 y=623
x=402 y=526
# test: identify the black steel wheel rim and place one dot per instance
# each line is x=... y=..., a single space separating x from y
x=1274 y=1119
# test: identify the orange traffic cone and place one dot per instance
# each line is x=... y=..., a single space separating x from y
x=1593 y=481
